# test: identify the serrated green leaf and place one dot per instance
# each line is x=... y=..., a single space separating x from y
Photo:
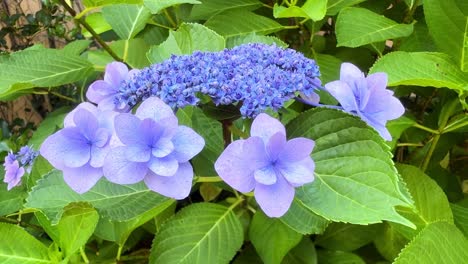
x=254 y=38
x=40 y=168
x=448 y=25
x=420 y=40
x=49 y=125
x=18 y=246
x=460 y=215
x=237 y=22
x=77 y=47
x=97 y=22
x=303 y=253
x=114 y=201
x=389 y=242
x=132 y=51
x=421 y=69
x=155 y=6
x=439 y=242
x=269 y=233
x=358 y=26
x=313 y=9
x=347 y=237
x=199 y=233
x=338 y=257
x=209 y=8
x=76 y=226
x=397 y=126
x=302 y=220
x=40 y=68
x=126 y=20
x=354 y=170
x=187 y=39
x=335 y=6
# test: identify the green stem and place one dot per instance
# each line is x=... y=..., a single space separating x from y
x=171 y=20
x=209 y=179
x=290 y=27
x=119 y=252
x=83 y=255
x=426 y=129
x=410 y=145
x=428 y=156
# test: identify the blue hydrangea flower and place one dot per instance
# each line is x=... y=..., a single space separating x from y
x=155 y=149
x=268 y=164
x=102 y=92
x=80 y=147
x=256 y=75
x=366 y=97
x=16 y=165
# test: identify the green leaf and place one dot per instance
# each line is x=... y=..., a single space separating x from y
x=209 y=8
x=421 y=69
x=448 y=25
x=97 y=3
x=335 y=6
x=354 y=170
x=48 y=126
x=245 y=23
x=338 y=257
x=98 y=23
x=460 y=215
x=267 y=234
x=155 y=6
x=254 y=38
x=40 y=68
x=187 y=39
x=132 y=51
x=358 y=26
x=303 y=220
x=12 y=200
x=439 y=242
x=76 y=226
x=77 y=47
x=40 y=168
x=199 y=233
x=420 y=40
x=313 y=9
x=303 y=253
x=389 y=242
x=347 y=237
x=397 y=126
x=126 y=20
x=114 y=201
x=18 y=246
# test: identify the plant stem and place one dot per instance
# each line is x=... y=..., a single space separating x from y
x=83 y=255
x=410 y=145
x=430 y=130
x=119 y=252
x=171 y=20
x=428 y=156
x=209 y=179
x=96 y=36
x=226 y=132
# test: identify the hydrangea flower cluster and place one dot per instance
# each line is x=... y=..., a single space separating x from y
x=257 y=75
x=16 y=165
x=268 y=164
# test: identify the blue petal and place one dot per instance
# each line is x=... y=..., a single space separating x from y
x=275 y=145
x=163 y=148
x=127 y=129
x=157 y=110
x=275 y=199
x=118 y=169
x=296 y=149
x=138 y=153
x=265 y=175
x=166 y=166
x=69 y=122
x=82 y=179
x=349 y=71
x=66 y=148
x=187 y=144
x=86 y=122
x=116 y=72
x=343 y=93
x=297 y=173
x=177 y=186
x=265 y=126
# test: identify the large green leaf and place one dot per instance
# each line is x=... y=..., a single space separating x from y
x=209 y=8
x=40 y=67
x=200 y=233
x=114 y=201
x=303 y=220
x=421 y=69
x=303 y=253
x=347 y=237
x=18 y=246
x=356 y=180
x=269 y=233
x=335 y=6
x=448 y=24
x=338 y=257
x=439 y=242
x=240 y=22
x=389 y=242
x=126 y=20
x=155 y=6
x=187 y=39
x=76 y=226
x=254 y=38
x=313 y=9
x=132 y=51
x=97 y=3
x=49 y=125
x=358 y=26
x=460 y=215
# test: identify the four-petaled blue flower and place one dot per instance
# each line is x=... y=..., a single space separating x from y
x=367 y=98
x=155 y=149
x=268 y=164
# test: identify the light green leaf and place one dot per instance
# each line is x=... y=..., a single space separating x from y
x=187 y=39
x=347 y=237
x=397 y=126
x=448 y=24
x=18 y=246
x=303 y=253
x=254 y=38
x=114 y=201
x=40 y=68
x=132 y=51
x=12 y=200
x=209 y=8
x=439 y=242
x=155 y=6
x=77 y=47
x=271 y=238
x=460 y=215
x=98 y=3
x=420 y=40
x=421 y=69
x=76 y=226
x=335 y=6
x=239 y=22
x=313 y=9
x=329 y=71
x=338 y=257
x=354 y=170
x=199 y=233
x=358 y=26
x=97 y=22
x=126 y=20
x=48 y=126
x=303 y=220
x=390 y=242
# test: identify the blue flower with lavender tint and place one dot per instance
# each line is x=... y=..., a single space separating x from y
x=155 y=149
x=102 y=92
x=257 y=76
x=16 y=165
x=80 y=147
x=268 y=164
x=366 y=97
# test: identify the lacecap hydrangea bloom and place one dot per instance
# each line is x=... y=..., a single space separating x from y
x=16 y=165
x=268 y=164
x=155 y=149
x=80 y=147
x=102 y=92
x=366 y=97
x=258 y=76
